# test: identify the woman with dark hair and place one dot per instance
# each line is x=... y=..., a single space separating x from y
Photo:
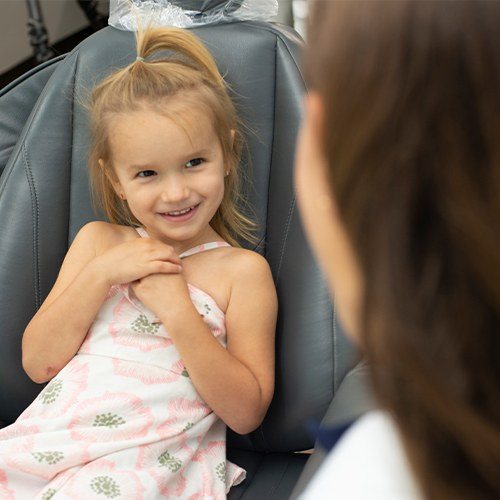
x=398 y=179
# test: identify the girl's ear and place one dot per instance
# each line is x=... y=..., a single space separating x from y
x=112 y=179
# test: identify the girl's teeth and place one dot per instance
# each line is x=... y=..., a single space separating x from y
x=180 y=212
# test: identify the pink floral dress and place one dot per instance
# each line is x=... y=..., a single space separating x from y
x=122 y=420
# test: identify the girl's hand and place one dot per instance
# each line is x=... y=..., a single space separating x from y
x=136 y=259
x=162 y=294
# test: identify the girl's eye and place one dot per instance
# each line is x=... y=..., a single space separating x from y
x=146 y=173
x=194 y=162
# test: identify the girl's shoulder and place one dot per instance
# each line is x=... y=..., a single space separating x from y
x=240 y=260
x=106 y=234
x=248 y=270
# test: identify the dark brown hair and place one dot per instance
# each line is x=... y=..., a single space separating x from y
x=412 y=138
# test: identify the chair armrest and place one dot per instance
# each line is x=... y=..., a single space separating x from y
x=352 y=399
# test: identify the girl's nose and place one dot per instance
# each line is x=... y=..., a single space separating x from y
x=174 y=190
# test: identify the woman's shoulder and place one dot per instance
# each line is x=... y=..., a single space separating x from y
x=369 y=462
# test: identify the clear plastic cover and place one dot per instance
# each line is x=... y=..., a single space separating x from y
x=125 y=14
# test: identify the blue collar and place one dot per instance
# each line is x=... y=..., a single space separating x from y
x=328 y=436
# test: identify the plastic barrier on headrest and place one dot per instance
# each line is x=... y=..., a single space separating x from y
x=125 y=14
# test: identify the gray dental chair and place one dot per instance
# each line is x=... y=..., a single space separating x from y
x=44 y=200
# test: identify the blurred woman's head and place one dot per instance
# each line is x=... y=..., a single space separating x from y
x=398 y=177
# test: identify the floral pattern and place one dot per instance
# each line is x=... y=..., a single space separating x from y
x=122 y=419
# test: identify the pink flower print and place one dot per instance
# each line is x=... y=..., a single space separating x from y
x=146 y=374
x=179 y=368
x=101 y=479
x=212 y=460
x=182 y=414
x=61 y=393
x=164 y=461
x=130 y=327
x=180 y=487
x=234 y=474
x=18 y=430
x=209 y=310
x=40 y=461
x=112 y=417
x=5 y=493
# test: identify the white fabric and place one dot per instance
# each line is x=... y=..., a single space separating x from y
x=369 y=463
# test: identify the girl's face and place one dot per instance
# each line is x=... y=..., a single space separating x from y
x=161 y=171
x=323 y=226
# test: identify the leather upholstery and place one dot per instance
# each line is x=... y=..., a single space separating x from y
x=16 y=102
x=44 y=200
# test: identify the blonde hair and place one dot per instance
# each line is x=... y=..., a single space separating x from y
x=147 y=82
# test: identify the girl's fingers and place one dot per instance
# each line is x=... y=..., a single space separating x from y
x=161 y=266
x=167 y=256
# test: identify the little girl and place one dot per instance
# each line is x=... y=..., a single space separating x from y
x=133 y=334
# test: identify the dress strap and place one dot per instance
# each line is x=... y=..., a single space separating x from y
x=200 y=248
x=142 y=232
x=204 y=247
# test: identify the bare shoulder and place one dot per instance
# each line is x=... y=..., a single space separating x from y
x=249 y=269
x=247 y=261
x=104 y=235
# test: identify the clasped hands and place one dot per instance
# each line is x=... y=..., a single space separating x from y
x=152 y=268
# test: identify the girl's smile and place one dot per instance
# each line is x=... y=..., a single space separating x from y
x=170 y=171
x=182 y=215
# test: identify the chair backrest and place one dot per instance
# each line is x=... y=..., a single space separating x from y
x=44 y=200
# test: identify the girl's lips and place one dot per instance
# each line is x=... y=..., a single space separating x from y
x=181 y=218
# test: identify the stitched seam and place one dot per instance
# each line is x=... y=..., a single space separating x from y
x=247 y=483
x=4 y=178
x=25 y=131
x=281 y=478
x=272 y=143
x=72 y=144
x=335 y=354
x=35 y=214
x=283 y=40
x=263 y=437
x=285 y=237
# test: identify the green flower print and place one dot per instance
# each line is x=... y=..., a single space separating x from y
x=142 y=325
x=188 y=426
x=49 y=494
x=185 y=373
x=108 y=420
x=207 y=308
x=167 y=460
x=105 y=485
x=220 y=471
x=50 y=457
x=51 y=392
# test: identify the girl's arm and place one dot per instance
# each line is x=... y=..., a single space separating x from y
x=237 y=383
x=98 y=258
x=57 y=330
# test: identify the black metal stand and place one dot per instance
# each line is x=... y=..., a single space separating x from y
x=37 y=33
x=97 y=20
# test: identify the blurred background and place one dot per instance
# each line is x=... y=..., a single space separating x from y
x=33 y=31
